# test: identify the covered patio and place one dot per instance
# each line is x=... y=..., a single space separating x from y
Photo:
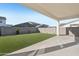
x=57 y=11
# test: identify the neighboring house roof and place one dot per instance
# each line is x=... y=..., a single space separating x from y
x=29 y=24
x=41 y=25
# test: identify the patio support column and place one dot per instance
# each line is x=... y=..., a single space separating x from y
x=58 y=28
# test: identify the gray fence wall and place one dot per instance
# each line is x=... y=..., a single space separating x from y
x=8 y=31
x=22 y=30
x=47 y=30
x=53 y=30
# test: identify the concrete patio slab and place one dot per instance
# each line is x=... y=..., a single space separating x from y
x=70 y=51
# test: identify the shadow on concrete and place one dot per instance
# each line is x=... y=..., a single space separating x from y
x=22 y=54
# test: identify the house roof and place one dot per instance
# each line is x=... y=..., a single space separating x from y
x=27 y=24
x=58 y=11
x=30 y=24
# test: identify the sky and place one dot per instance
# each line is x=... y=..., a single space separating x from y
x=17 y=13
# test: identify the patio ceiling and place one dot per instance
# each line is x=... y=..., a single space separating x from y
x=58 y=11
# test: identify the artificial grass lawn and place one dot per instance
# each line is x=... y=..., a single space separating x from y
x=11 y=43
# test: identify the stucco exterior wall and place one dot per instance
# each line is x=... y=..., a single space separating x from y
x=62 y=31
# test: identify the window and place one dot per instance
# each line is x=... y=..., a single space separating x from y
x=0 y=21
